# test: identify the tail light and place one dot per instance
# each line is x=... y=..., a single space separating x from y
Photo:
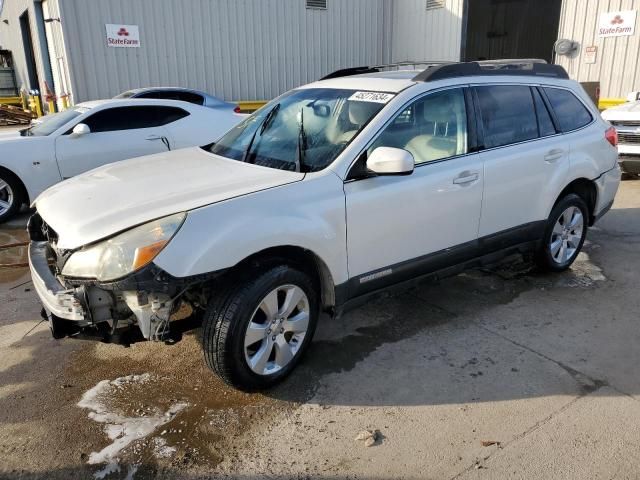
x=237 y=109
x=612 y=136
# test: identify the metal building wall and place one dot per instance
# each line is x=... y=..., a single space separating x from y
x=421 y=34
x=11 y=39
x=617 y=64
x=242 y=49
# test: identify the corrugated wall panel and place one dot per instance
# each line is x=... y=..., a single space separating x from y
x=617 y=66
x=421 y=34
x=243 y=49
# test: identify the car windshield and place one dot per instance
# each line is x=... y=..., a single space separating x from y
x=303 y=130
x=54 y=121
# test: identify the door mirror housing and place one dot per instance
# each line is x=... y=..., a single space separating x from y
x=80 y=130
x=633 y=97
x=390 y=161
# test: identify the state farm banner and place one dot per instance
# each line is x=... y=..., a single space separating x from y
x=123 y=35
x=615 y=24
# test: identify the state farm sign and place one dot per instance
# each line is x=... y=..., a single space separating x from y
x=615 y=24
x=123 y=36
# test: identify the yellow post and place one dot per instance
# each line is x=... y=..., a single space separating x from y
x=52 y=106
x=65 y=101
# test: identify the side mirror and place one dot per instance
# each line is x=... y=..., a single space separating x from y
x=633 y=97
x=390 y=161
x=80 y=129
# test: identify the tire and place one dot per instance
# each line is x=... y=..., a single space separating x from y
x=11 y=196
x=557 y=257
x=227 y=338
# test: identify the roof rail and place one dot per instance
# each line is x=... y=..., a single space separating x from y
x=346 y=72
x=524 y=66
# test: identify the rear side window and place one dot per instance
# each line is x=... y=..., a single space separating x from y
x=570 y=111
x=508 y=114
x=189 y=97
x=545 y=124
x=129 y=118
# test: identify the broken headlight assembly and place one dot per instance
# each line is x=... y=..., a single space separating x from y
x=125 y=253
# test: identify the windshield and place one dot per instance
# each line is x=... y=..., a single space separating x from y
x=50 y=123
x=302 y=130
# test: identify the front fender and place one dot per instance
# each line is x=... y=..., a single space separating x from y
x=309 y=214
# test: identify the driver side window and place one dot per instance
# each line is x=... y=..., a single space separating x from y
x=432 y=128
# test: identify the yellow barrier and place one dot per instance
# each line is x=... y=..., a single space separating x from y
x=250 y=106
x=11 y=100
x=605 y=103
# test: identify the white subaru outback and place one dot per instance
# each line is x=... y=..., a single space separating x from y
x=329 y=194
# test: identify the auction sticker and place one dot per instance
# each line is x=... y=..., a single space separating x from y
x=377 y=97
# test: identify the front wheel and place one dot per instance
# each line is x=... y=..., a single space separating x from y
x=256 y=333
x=10 y=195
x=564 y=234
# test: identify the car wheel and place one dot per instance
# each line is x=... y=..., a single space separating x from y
x=564 y=234
x=10 y=195
x=255 y=333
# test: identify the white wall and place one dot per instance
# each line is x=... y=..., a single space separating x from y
x=237 y=50
x=617 y=64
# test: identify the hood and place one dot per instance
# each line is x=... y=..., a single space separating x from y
x=113 y=198
x=624 y=111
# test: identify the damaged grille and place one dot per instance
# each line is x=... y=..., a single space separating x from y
x=40 y=231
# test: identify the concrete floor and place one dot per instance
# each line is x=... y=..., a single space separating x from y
x=545 y=366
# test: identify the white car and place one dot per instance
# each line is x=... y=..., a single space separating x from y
x=329 y=194
x=626 y=120
x=93 y=134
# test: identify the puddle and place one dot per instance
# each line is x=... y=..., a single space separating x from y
x=175 y=414
x=14 y=256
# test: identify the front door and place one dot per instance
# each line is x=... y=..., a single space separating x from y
x=399 y=227
x=115 y=134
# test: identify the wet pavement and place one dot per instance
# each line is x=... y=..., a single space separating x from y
x=544 y=365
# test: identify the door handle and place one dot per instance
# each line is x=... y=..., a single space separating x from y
x=553 y=155
x=466 y=178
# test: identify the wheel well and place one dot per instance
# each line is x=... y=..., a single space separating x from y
x=23 y=189
x=586 y=189
x=304 y=259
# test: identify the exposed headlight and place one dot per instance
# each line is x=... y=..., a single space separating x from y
x=124 y=253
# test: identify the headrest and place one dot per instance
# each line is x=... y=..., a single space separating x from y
x=439 y=108
x=360 y=112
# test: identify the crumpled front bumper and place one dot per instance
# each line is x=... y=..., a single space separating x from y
x=56 y=299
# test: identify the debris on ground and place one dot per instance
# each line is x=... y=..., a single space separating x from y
x=369 y=437
x=488 y=443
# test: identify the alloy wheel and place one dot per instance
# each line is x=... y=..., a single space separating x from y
x=566 y=235
x=277 y=329
x=6 y=197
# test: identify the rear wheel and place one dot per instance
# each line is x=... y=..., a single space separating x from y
x=10 y=195
x=256 y=333
x=564 y=234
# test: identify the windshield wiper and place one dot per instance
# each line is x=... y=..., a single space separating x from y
x=302 y=144
x=262 y=127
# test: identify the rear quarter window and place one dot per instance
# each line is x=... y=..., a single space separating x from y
x=570 y=112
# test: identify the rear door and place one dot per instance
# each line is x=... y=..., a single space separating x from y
x=116 y=134
x=526 y=162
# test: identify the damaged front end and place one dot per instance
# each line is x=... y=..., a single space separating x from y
x=138 y=305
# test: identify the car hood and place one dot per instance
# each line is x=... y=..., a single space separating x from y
x=625 y=111
x=113 y=198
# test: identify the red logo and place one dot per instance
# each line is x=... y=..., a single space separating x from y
x=123 y=32
x=617 y=20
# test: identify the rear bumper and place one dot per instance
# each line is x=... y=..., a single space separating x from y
x=607 y=185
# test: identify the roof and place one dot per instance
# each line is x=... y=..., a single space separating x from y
x=390 y=81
